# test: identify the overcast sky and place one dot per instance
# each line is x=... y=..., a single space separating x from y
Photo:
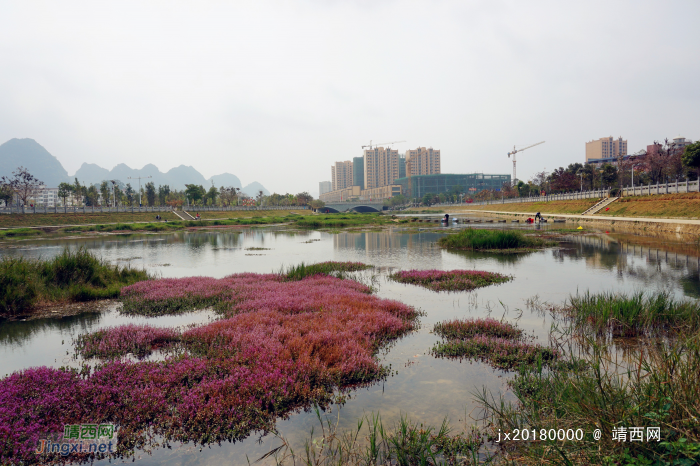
x=276 y=92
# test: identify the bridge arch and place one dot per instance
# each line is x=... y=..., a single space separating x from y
x=327 y=210
x=364 y=208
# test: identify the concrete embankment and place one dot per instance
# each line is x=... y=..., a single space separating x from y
x=632 y=224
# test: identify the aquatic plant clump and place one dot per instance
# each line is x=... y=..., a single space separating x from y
x=449 y=280
x=114 y=342
x=502 y=353
x=297 y=272
x=492 y=240
x=70 y=276
x=500 y=344
x=281 y=346
x=467 y=328
x=640 y=313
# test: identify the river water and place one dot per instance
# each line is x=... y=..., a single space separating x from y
x=425 y=388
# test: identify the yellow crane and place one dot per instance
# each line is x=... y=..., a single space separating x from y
x=380 y=144
x=515 y=151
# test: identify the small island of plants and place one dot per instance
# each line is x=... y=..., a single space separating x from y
x=449 y=280
x=504 y=241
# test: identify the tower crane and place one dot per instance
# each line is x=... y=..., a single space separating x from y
x=380 y=144
x=515 y=151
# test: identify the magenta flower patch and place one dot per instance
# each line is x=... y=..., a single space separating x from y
x=449 y=280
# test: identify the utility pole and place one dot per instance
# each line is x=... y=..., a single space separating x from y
x=139 y=178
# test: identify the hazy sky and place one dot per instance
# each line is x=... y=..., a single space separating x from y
x=277 y=91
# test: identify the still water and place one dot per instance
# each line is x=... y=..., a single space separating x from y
x=425 y=388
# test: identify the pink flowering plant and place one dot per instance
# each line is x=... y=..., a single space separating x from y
x=498 y=343
x=449 y=280
x=114 y=342
x=279 y=347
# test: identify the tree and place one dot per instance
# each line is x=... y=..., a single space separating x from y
x=194 y=192
x=151 y=193
x=691 y=156
x=429 y=199
x=91 y=196
x=609 y=174
x=561 y=180
x=129 y=192
x=6 y=193
x=23 y=183
x=540 y=180
x=163 y=193
x=118 y=195
x=211 y=195
x=228 y=195
x=304 y=198
x=78 y=191
x=260 y=197
x=105 y=191
x=317 y=204
x=65 y=190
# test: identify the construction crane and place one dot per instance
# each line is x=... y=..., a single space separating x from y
x=380 y=144
x=515 y=151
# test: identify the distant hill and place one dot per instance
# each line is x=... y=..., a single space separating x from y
x=253 y=188
x=40 y=163
x=31 y=155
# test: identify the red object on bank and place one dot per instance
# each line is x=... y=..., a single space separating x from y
x=607 y=208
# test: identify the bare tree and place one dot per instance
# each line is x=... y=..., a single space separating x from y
x=23 y=183
x=228 y=195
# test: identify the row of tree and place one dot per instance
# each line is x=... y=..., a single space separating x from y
x=24 y=187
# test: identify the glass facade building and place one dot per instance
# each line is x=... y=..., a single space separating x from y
x=358 y=172
x=419 y=185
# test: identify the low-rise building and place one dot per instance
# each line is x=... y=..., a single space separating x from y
x=415 y=187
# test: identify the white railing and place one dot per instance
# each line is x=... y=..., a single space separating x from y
x=662 y=188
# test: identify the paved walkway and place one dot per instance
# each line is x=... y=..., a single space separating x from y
x=679 y=221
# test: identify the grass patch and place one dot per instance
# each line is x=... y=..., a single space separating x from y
x=342 y=220
x=492 y=240
x=20 y=232
x=70 y=276
x=686 y=205
x=636 y=314
x=497 y=343
x=656 y=385
x=451 y=280
x=574 y=206
x=332 y=268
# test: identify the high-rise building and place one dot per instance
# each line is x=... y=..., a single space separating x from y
x=422 y=161
x=402 y=166
x=381 y=167
x=605 y=148
x=324 y=187
x=358 y=172
x=341 y=175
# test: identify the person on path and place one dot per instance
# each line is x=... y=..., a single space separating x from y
x=538 y=217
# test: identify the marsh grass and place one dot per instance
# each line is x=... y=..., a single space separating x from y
x=636 y=314
x=370 y=442
x=70 y=276
x=342 y=220
x=332 y=268
x=20 y=232
x=497 y=343
x=658 y=385
x=492 y=240
x=449 y=280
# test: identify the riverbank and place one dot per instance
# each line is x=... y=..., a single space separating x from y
x=301 y=219
x=73 y=219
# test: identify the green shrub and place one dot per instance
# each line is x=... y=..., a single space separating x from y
x=70 y=276
x=478 y=239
